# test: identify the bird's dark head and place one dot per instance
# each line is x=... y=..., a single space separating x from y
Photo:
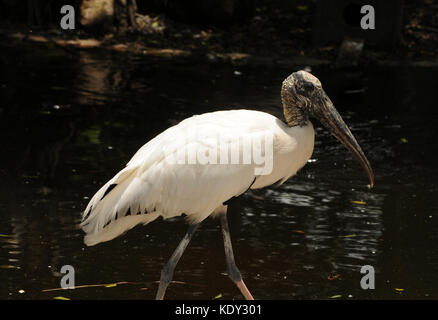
x=303 y=96
x=297 y=93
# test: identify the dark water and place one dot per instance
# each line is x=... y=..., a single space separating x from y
x=70 y=120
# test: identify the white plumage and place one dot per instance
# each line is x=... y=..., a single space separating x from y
x=152 y=185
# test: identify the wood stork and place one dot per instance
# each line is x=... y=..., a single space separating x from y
x=151 y=186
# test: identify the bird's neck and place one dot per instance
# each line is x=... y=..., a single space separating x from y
x=293 y=115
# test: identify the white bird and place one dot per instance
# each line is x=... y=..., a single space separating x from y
x=176 y=173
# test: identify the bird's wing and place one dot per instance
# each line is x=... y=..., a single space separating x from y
x=154 y=183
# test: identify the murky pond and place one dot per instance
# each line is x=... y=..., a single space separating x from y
x=71 y=119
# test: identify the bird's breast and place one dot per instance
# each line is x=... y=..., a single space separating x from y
x=292 y=147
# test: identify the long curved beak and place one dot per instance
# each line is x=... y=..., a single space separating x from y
x=326 y=113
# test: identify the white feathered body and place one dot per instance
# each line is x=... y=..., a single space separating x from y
x=153 y=184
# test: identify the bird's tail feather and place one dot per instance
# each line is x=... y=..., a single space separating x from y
x=116 y=228
x=113 y=210
x=96 y=202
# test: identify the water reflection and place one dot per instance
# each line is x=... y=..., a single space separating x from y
x=78 y=117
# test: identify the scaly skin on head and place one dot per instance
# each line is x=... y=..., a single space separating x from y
x=296 y=91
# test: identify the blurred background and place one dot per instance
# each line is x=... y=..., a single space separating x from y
x=76 y=104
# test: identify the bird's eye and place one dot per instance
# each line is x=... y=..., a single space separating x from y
x=308 y=86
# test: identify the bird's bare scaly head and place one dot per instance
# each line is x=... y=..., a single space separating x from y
x=303 y=96
x=296 y=93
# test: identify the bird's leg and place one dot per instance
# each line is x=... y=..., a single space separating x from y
x=167 y=272
x=232 y=269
